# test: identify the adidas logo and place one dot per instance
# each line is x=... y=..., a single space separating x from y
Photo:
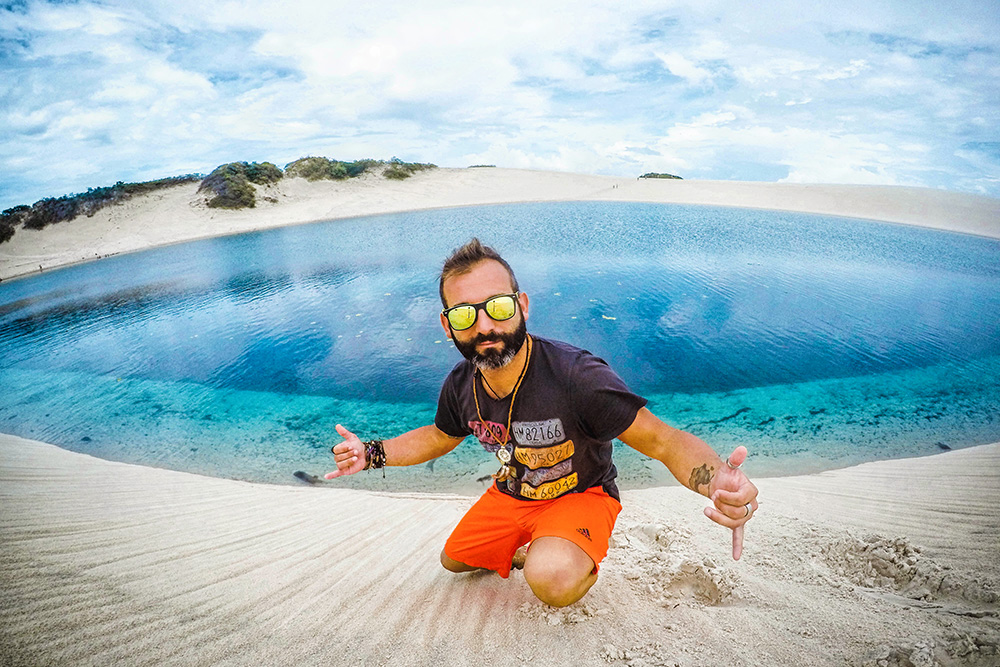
x=584 y=532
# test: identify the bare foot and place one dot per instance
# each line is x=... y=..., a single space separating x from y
x=517 y=563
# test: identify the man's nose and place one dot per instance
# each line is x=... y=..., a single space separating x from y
x=484 y=323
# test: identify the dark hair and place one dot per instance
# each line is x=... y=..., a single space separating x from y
x=464 y=259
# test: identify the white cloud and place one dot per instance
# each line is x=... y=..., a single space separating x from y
x=778 y=90
x=88 y=18
x=775 y=67
x=681 y=67
x=81 y=124
x=853 y=69
x=125 y=89
x=810 y=155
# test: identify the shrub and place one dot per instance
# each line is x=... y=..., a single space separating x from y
x=398 y=170
x=309 y=168
x=231 y=183
x=653 y=174
x=359 y=167
x=396 y=173
x=11 y=219
x=321 y=168
x=263 y=173
x=50 y=210
x=317 y=169
x=339 y=171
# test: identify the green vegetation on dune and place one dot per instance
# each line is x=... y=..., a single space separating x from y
x=654 y=174
x=50 y=210
x=321 y=168
x=10 y=220
x=230 y=186
x=398 y=170
x=231 y=183
x=316 y=169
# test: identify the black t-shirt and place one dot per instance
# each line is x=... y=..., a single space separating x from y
x=568 y=409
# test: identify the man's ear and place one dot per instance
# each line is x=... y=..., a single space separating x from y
x=445 y=326
x=522 y=300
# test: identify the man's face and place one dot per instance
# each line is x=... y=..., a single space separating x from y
x=488 y=344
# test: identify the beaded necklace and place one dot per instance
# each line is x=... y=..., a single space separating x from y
x=503 y=454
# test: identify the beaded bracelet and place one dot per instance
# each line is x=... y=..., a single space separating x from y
x=374 y=455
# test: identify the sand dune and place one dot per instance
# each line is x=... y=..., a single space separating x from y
x=103 y=563
x=109 y=563
x=179 y=214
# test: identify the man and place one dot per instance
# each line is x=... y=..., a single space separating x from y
x=549 y=411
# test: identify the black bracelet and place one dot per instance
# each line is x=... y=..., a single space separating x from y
x=374 y=455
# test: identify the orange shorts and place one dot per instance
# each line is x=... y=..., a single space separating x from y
x=498 y=524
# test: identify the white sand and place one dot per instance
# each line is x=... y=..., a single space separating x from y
x=107 y=563
x=889 y=563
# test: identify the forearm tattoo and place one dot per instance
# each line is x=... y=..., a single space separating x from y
x=700 y=476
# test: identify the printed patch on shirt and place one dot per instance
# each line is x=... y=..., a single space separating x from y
x=544 y=457
x=487 y=432
x=550 y=490
x=538 y=477
x=535 y=434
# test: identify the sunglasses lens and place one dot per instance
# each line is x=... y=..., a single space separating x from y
x=501 y=308
x=462 y=317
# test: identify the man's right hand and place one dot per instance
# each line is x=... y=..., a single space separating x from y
x=349 y=455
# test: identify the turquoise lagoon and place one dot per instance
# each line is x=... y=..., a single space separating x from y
x=817 y=342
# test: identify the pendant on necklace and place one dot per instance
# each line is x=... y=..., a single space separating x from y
x=505 y=472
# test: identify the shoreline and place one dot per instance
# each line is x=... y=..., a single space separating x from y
x=891 y=562
x=178 y=214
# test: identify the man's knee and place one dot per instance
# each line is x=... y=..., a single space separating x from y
x=557 y=584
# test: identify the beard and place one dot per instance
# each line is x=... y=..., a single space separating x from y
x=495 y=357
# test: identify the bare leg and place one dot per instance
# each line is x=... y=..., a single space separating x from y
x=558 y=571
x=453 y=565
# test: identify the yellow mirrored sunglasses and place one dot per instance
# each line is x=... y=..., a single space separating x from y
x=500 y=307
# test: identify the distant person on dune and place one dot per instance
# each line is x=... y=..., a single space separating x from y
x=549 y=412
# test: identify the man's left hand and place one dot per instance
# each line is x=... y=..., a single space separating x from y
x=734 y=498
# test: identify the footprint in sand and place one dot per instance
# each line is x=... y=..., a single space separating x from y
x=660 y=561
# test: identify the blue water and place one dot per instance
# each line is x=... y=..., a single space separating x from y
x=817 y=342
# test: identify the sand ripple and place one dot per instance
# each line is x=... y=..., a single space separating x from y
x=107 y=563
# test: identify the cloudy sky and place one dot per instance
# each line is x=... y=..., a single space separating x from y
x=904 y=92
